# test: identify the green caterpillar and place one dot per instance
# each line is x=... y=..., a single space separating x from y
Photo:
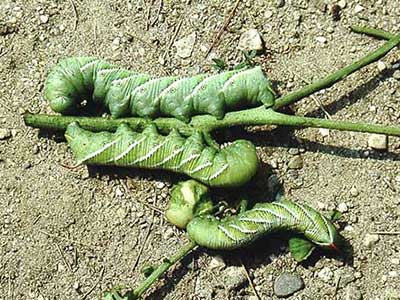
x=238 y=231
x=126 y=93
x=230 y=166
x=191 y=207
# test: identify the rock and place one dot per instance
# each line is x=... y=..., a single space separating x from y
x=352 y=293
x=251 y=40
x=324 y=132
x=234 y=278
x=293 y=151
x=371 y=239
x=160 y=185
x=396 y=74
x=287 y=284
x=325 y=274
x=295 y=162
x=184 y=46
x=342 y=207
x=4 y=133
x=393 y=274
x=321 y=39
x=217 y=263
x=118 y=192
x=378 y=141
x=354 y=192
x=358 y=8
x=44 y=19
x=381 y=66
x=342 y=4
x=279 y=3
x=395 y=261
x=268 y=14
x=168 y=233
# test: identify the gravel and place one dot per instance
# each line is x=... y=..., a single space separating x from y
x=287 y=284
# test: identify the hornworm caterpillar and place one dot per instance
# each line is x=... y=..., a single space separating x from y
x=242 y=229
x=126 y=93
x=230 y=166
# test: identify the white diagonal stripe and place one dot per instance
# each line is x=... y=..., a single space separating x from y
x=150 y=153
x=243 y=230
x=85 y=66
x=219 y=172
x=169 y=157
x=97 y=152
x=227 y=233
x=129 y=149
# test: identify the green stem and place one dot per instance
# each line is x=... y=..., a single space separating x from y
x=378 y=33
x=343 y=73
x=254 y=116
x=157 y=273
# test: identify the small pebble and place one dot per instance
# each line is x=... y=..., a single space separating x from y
x=395 y=261
x=118 y=192
x=44 y=19
x=353 y=293
x=370 y=240
x=324 y=132
x=325 y=274
x=160 y=185
x=287 y=284
x=358 y=8
x=295 y=162
x=217 y=263
x=378 y=141
x=279 y=3
x=268 y=14
x=354 y=192
x=342 y=207
x=321 y=39
x=185 y=45
x=392 y=274
x=4 y=133
x=251 y=40
x=234 y=278
x=342 y=4
x=168 y=233
x=396 y=74
x=381 y=66
x=293 y=151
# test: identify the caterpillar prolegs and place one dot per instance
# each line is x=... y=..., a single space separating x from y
x=126 y=93
x=230 y=166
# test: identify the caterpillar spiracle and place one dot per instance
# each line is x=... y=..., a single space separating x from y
x=240 y=230
x=230 y=166
x=126 y=93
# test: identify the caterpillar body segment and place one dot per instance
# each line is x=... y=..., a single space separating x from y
x=126 y=93
x=231 y=166
x=240 y=230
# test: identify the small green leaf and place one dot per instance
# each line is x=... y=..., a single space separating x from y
x=334 y=215
x=300 y=248
x=219 y=64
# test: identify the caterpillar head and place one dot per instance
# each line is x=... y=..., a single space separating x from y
x=243 y=164
x=188 y=199
x=85 y=144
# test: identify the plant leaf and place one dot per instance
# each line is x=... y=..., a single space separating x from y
x=300 y=248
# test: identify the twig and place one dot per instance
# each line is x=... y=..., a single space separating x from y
x=144 y=243
x=254 y=116
x=75 y=13
x=94 y=285
x=386 y=232
x=338 y=75
x=160 y=6
x=223 y=28
x=148 y=15
x=249 y=279
x=178 y=27
x=167 y=263
x=378 y=33
x=63 y=258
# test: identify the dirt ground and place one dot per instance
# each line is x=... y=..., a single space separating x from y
x=71 y=234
